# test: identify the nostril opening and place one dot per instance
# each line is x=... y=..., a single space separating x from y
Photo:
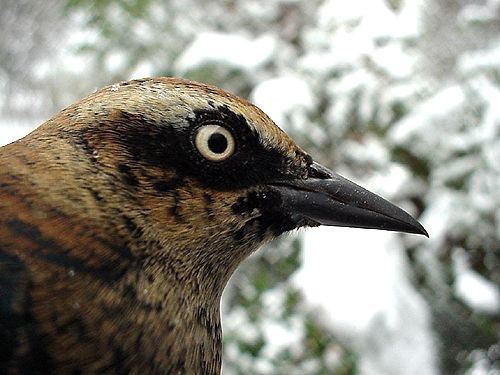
x=318 y=171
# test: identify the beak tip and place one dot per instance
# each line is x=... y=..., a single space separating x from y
x=414 y=227
x=411 y=225
x=422 y=230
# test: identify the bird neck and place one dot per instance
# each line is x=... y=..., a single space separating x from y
x=153 y=304
x=174 y=310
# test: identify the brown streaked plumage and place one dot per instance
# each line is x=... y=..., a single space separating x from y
x=118 y=233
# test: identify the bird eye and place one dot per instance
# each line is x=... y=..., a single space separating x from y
x=214 y=142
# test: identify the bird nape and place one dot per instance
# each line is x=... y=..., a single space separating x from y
x=124 y=216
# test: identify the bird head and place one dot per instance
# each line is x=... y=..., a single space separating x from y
x=129 y=211
x=191 y=173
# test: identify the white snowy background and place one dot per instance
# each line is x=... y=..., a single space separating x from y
x=401 y=96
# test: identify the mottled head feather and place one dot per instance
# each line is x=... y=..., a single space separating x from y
x=180 y=97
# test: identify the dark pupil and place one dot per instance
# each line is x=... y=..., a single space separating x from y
x=217 y=143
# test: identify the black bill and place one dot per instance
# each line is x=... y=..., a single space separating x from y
x=327 y=198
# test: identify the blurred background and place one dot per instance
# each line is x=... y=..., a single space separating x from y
x=402 y=96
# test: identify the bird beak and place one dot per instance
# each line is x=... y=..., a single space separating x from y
x=326 y=198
